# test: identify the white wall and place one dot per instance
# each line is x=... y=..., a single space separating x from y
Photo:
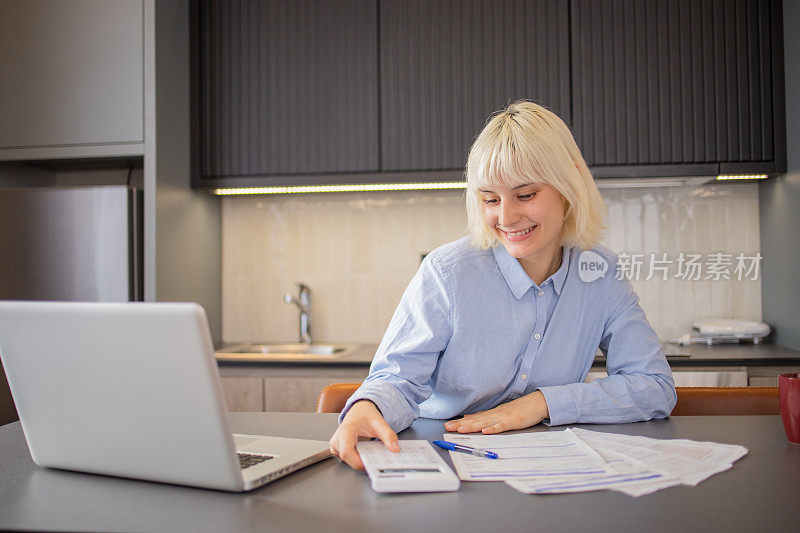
x=358 y=251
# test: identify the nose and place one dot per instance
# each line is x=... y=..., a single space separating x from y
x=508 y=214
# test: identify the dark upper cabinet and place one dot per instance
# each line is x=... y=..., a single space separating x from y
x=447 y=65
x=318 y=91
x=678 y=83
x=286 y=87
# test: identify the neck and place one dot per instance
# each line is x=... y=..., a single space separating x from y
x=539 y=269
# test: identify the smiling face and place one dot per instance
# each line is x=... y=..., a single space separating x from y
x=528 y=221
x=525 y=144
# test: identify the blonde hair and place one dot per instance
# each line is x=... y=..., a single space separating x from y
x=526 y=143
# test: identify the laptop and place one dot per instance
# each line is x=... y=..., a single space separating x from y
x=133 y=390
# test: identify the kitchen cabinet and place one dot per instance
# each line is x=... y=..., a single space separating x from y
x=697 y=84
x=286 y=88
x=767 y=376
x=243 y=394
x=446 y=66
x=297 y=394
x=284 y=388
x=315 y=92
x=72 y=83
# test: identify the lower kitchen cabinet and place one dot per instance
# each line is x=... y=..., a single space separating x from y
x=296 y=394
x=767 y=376
x=282 y=388
x=243 y=394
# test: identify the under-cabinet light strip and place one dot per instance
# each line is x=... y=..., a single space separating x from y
x=742 y=177
x=342 y=188
x=366 y=187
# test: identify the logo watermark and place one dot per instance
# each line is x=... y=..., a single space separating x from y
x=689 y=267
x=684 y=266
x=591 y=266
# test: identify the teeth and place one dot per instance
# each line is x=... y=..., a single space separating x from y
x=518 y=233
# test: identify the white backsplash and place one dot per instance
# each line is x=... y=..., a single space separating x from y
x=357 y=252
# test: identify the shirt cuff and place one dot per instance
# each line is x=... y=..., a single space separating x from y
x=560 y=404
x=389 y=402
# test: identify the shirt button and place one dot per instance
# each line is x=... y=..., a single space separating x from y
x=541 y=293
x=537 y=336
x=523 y=377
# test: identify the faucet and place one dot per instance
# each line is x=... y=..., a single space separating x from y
x=304 y=304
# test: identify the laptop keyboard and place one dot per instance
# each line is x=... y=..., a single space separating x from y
x=247 y=460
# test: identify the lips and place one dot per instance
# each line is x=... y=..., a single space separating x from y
x=518 y=235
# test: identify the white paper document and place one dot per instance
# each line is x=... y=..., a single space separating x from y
x=689 y=461
x=553 y=453
x=579 y=460
x=630 y=476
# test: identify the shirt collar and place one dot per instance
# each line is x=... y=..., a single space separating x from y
x=518 y=280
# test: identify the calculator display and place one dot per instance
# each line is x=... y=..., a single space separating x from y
x=404 y=471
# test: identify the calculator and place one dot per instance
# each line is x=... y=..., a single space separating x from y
x=418 y=467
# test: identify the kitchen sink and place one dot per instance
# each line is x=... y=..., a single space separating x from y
x=249 y=351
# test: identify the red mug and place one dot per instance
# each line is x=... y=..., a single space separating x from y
x=789 y=390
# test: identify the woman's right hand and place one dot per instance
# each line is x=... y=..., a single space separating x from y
x=362 y=420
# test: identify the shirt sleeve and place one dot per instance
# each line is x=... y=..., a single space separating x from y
x=639 y=385
x=419 y=331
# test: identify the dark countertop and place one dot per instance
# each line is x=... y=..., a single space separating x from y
x=727 y=355
x=700 y=355
x=759 y=493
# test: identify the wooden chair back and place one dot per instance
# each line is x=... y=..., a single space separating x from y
x=692 y=401
x=727 y=401
x=334 y=396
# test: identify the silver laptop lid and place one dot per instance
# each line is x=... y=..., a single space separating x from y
x=127 y=389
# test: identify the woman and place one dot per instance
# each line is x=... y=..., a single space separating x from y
x=504 y=329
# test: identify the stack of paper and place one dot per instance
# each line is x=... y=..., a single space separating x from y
x=578 y=460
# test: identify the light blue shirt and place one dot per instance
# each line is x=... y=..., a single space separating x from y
x=473 y=331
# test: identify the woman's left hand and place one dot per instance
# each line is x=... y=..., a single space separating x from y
x=516 y=414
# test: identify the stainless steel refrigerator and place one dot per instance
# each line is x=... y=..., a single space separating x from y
x=71 y=243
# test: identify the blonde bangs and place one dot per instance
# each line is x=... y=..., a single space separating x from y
x=501 y=159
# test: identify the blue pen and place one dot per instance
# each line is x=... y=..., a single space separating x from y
x=466 y=449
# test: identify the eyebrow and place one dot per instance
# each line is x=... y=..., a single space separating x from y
x=513 y=189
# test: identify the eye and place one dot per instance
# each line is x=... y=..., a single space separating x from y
x=526 y=196
x=489 y=201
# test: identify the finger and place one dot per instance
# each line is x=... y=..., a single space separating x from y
x=479 y=421
x=351 y=457
x=472 y=427
x=453 y=425
x=348 y=437
x=334 y=451
x=505 y=422
x=346 y=447
x=332 y=443
x=497 y=427
x=387 y=436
